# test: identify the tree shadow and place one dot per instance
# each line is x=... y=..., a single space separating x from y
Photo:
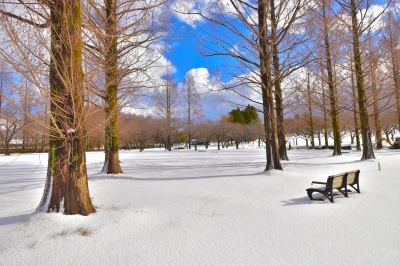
x=304 y=164
x=129 y=177
x=15 y=219
x=20 y=184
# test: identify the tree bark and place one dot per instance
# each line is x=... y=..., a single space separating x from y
x=7 y=149
x=368 y=152
x=278 y=87
x=67 y=183
x=355 y=111
x=375 y=92
x=310 y=112
x=337 y=142
x=395 y=56
x=324 y=109
x=272 y=151
x=111 y=73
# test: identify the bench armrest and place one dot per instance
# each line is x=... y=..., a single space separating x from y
x=316 y=182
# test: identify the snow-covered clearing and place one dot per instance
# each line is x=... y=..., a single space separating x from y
x=206 y=208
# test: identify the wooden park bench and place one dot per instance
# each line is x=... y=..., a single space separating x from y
x=338 y=182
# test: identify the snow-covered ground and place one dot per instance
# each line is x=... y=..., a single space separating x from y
x=206 y=208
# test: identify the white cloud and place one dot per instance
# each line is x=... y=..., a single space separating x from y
x=366 y=16
x=188 y=11
x=373 y=12
x=185 y=11
x=217 y=100
x=201 y=78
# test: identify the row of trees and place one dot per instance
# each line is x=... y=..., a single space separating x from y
x=300 y=127
x=277 y=41
x=143 y=132
x=346 y=93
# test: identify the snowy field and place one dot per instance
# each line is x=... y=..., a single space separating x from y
x=206 y=208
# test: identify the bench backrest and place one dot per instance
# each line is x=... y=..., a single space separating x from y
x=352 y=177
x=338 y=180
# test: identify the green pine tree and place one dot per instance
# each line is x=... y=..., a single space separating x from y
x=236 y=116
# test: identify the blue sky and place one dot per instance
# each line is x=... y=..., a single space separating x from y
x=185 y=54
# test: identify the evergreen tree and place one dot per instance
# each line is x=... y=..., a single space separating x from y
x=250 y=114
x=245 y=116
x=236 y=116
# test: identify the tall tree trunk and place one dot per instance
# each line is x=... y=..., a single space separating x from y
x=267 y=128
x=378 y=129
x=324 y=108
x=189 y=133
x=25 y=142
x=262 y=17
x=274 y=132
x=67 y=183
x=337 y=142
x=375 y=92
x=106 y=153
x=112 y=80
x=396 y=78
x=272 y=151
x=368 y=152
x=310 y=111
x=319 y=138
x=278 y=86
x=355 y=111
x=395 y=57
x=7 y=148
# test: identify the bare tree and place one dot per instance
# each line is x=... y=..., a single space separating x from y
x=124 y=32
x=301 y=127
x=391 y=39
x=354 y=107
x=10 y=118
x=310 y=110
x=389 y=125
x=324 y=108
x=166 y=100
x=221 y=130
x=205 y=131
x=357 y=10
x=237 y=133
x=375 y=85
x=334 y=114
x=66 y=186
x=191 y=102
x=142 y=131
x=246 y=37
x=285 y=18
x=307 y=94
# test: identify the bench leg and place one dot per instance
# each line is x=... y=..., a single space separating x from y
x=330 y=197
x=309 y=193
x=356 y=189
x=344 y=192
